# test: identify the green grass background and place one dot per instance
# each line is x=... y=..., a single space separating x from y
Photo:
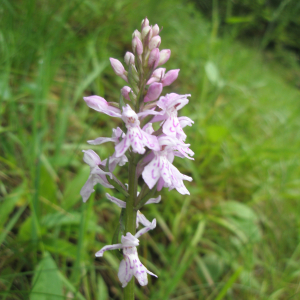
x=237 y=236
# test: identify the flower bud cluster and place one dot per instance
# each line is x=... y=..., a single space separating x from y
x=151 y=151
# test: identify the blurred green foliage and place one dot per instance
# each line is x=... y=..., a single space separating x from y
x=271 y=23
x=235 y=237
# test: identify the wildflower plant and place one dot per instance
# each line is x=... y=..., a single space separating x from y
x=148 y=153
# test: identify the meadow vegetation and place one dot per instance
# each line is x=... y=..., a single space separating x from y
x=237 y=236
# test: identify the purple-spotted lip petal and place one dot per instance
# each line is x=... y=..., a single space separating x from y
x=161 y=166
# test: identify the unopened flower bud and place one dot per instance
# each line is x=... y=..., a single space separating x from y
x=145 y=23
x=154 y=42
x=157 y=75
x=153 y=58
x=125 y=92
x=118 y=68
x=170 y=77
x=137 y=45
x=145 y=31
x=155 y=30
x=129 y=58
x=164 y=56
x=153 y=92
x=137 y=34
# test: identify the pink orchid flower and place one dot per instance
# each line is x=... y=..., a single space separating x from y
x=135 y=136
x=160 y=169
x=170 y=104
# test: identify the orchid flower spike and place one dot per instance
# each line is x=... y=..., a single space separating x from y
x=131 y=265
x=146 y=81
x=96 y=175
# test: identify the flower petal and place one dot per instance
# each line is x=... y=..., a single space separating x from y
x=115 y=200
x=100 y=104
x=140 y=273
x=152 y=274
x=171 y=127
x=99 y=176
x=129 y=240
x=87 y=189
x=125 y=273
x=108 y=247
x=185 y=121
x=91 y=158
x=122 y=147
x=140 y=218
x=154 y=200
x=101 y=140
x=150 y=141
x=146 y=229
x=148 y=128
x=151 y=172
x=148 y=112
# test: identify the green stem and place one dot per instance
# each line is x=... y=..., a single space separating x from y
x=130 y=218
